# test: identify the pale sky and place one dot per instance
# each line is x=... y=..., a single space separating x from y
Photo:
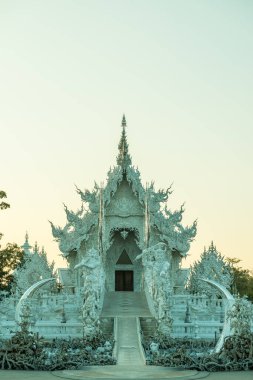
x=180 y=70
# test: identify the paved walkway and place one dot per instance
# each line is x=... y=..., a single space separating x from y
x=121 y=373
x=128 y=343
x=126 y=307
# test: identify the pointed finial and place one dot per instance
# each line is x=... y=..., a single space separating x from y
x=123 y=158
x=26 y=246
x=212 y=246
x=123 y=123
x=36 y=248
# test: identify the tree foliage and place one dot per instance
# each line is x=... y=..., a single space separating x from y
x=240 y=315
x=242 y=278
x=10 y=258
x=3 y=205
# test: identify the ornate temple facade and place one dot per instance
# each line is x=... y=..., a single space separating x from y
x=123 y=219
x=123 y=241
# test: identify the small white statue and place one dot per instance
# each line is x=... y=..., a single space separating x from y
x=154 y=347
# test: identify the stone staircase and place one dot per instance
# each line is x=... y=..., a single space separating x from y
x=126 y=308
x=148 y=326
x=123 y=304
x=128 y=345
x=107 y=326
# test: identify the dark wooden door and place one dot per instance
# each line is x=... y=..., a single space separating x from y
x=124 y=280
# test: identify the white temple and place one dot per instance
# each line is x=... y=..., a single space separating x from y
x=122 y=220
x=123 y=247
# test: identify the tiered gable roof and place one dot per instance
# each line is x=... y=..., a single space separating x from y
x=165 y=223
x=211 y=266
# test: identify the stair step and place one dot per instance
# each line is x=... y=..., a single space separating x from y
x=125 y=304
x=107 y=325
x=148 y=326
x=128 y=342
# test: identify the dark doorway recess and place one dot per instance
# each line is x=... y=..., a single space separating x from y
x=124 y=280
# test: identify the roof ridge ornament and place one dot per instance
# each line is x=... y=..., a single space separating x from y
x=123 y=158
x=26 y=246
x=123 y=123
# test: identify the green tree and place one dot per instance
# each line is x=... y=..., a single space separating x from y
x=10 y=256
x=242 y=278
x=3 y=205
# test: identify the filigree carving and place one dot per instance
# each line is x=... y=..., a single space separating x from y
x=73 y=234
x=90 y=197
x=124 y=231
x=35 y=268
x=211 y=266
x=93 y=288
x=114 y=177
x=124 y=234
x=133 y=177
x=123 y=205
x=156 y=262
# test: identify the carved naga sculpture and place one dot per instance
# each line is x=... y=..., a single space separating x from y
x=94 y=277
x=156 y=262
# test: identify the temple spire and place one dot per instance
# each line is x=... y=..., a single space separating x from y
x=36 y=248
x=26 y=246
x=123 y=158
x=123 y=123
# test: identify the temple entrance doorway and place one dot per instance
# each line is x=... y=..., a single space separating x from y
x=124 y=280
x=123 y=272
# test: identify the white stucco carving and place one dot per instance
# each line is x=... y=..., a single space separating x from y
x=120 y=216
x=156 y=263
x=211 y=266
x=226 y=331
x=92 y=292
x=35 y=268
x=28 y=293
x=124 y=201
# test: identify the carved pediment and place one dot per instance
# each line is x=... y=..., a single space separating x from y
x=125 y=202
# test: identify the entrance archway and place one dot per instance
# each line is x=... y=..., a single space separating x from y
x=123 y=272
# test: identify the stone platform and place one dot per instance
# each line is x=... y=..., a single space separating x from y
x=117 y=373
x=130 y=372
